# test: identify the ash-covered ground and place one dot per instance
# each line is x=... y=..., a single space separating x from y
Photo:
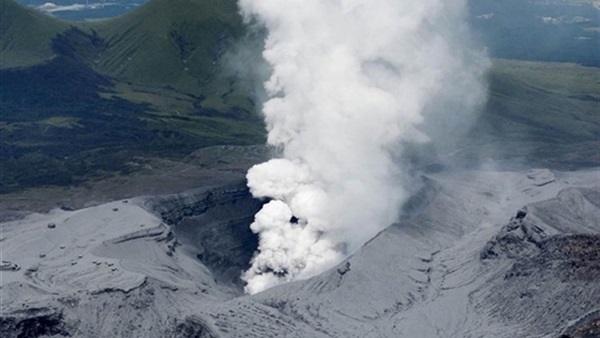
x=478 y=253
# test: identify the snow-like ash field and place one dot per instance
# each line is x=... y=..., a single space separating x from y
x=476 y=253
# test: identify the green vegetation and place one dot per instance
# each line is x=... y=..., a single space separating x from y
x=179 y=44
x=176 y=44
x=80 y=101
x=540 y=113
x=26 y=35
x=169 y=42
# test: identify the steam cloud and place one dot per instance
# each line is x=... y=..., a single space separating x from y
x=351 y=81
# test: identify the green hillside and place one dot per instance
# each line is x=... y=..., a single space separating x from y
x=26 y=35
x=80 y=101
x=177 y=42
x=539 y=113
x=179 y=45
x=174 y=44
x=150 y=83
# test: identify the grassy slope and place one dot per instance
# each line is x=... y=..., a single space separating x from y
x=540 y=113
x=157 y=42
x=117 y=89
x=26 y=35
x=175 y=43
x=169 y=54
x=157 y=73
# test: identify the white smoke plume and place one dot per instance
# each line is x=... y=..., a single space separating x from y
x=351 y=81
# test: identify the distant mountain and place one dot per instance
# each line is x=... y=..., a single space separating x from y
x=164 y=43
x=167 y=74
x=83 y=10
x=540 y=30
x=26 y=35
x=81 y=97
x=178 y=43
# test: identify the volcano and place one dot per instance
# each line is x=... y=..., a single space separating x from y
x=143 y=230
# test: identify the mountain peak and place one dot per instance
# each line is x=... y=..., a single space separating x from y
x=26 y=35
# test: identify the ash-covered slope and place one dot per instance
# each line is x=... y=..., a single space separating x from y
x=478 y=254
x=429 y=276
x=552 y=249
x=118 y=270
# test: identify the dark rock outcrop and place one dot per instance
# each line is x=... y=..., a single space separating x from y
x=586 y=327
x=518 y=238
x=213 y=225
x=192 y=327
x=34 y=322
x=567 y=258
x=551 y=251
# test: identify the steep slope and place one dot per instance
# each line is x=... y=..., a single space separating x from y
x=26 y=35
x=182 y=45
x=175 y=43
x=58 y=115
x=163 y=44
